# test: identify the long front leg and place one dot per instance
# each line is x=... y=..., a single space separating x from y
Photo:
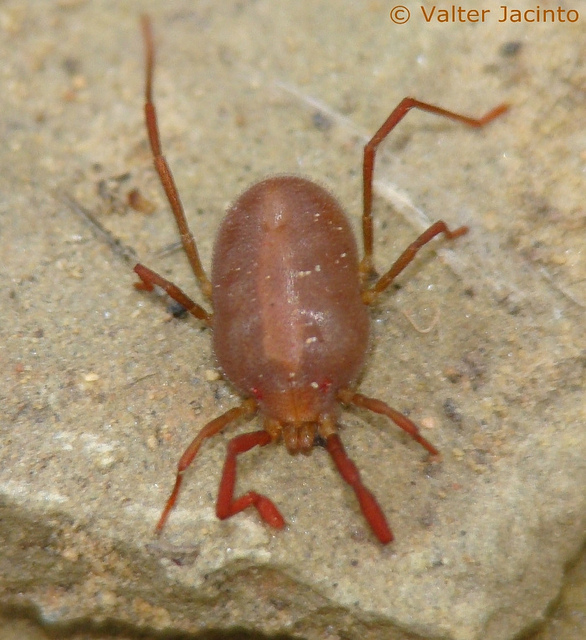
x=246 y=409
x=347 y=396
x=228 y=506
x=368 y=503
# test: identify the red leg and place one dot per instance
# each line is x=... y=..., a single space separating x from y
x=226 y=505
x=165 y=175
x=150 y=279
x=368 y=504
x=378 y=406
x=370 y=295
x=246 y=409
x=403 y=108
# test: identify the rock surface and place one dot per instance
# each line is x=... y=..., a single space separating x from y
x=485 y=347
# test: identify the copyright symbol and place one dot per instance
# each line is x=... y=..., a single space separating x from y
x=400 y=14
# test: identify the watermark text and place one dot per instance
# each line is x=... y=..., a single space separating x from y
x=456 y=14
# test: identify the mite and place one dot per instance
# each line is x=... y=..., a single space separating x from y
x=290 y=321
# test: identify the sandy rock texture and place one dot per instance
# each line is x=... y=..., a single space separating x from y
x=482 y=344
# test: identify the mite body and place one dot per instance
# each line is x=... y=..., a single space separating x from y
x=290 y=320
x=290 y=327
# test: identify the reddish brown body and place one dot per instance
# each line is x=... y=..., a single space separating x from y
x=290 y=323
x=290 y=327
